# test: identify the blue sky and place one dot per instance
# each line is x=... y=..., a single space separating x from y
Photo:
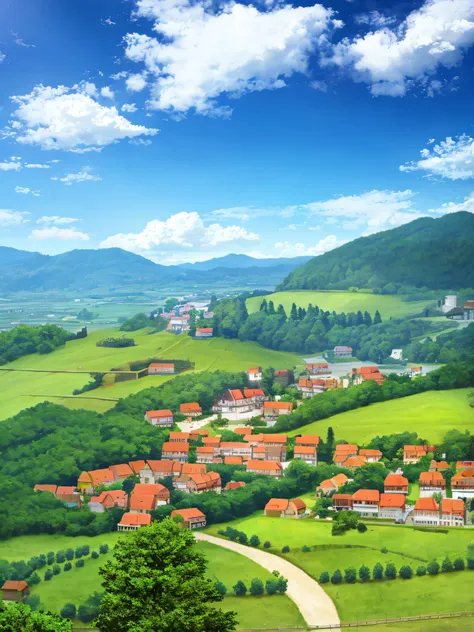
x=182 y=131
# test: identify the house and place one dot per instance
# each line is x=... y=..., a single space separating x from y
x=153 y=471
x=366 y=502
x=194 y=435
x=69 y=495
x=426 y=512
x=231 y=485
x=123 y=470
x=342 y=502
x=354 y=462
x=180 y=482
x=46 y=488
x=133 y=521
x=205 y=454
x=160 y=417
x=265 y=468
x=282 y=508
x=342 y=352
x=343 y=451
x=371 y=456
x=465 y=465
x=306 y=453
x=203 y=332
x=212 y=441
x=365 y=373
x=452 y=513
x=456 y=313
x=137 y=466
x=392 y=506
x=175 y=451
x=395 y=484
x=468 y=310
x=330 y=485
x=259 y=452
x=233 y=460
x=256 y=395
x=307 y=440
x=233 y=401
x=160 y=492
x=305 y=387
x=210 y=482
x=244 y=431
x=13 y=590
x=397 y=354
x=191 y=410
x=254 y=440
x=439 y=466
x=88 y=481
x=323 y=384
x=448 y=303
x=190 y=518
x=415 y=371
x=273 y=410
x=178 y=437
x=284 y=377
x=413 y=453
x=275 y=446
x=317 y=368
x=107 y=500
x=255 y=374
x=432 y=482
x=161 y=368
x=462 y=484
x=178 y=324
x=234 y=448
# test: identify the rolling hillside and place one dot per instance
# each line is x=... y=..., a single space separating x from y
x=433 y=253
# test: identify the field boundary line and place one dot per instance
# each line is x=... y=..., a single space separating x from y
x=78 y=397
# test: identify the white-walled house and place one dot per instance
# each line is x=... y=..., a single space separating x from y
x=255 y=374
x=366 y=502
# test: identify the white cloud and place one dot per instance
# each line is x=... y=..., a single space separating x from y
x=452 y=159
x=82 y=176
x=26 y=190
x=287 y=249
x=2 y=56
x=13 y=165
x=241 y=213
x=140 y=141
x=119 y=75
x=69 y=119
x=107 y=93
x=35 y=165
x=455 y=207
x=136 y=82
x=109 y=22
x=390 y=61
x=203 y=51
x=321 y=86
x=53 y=232
x=182 y=230
x=11 y=218
x=56 y=220
x=129 y=107
x=374 y=18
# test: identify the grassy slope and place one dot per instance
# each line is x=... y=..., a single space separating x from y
x=22 y=390
x=429 y=414
x=446 y=593
x=342 y=302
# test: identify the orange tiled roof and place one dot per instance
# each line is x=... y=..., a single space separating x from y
x=253 y=392
x=237 y=445
x=366 y=494
x=13 y=584
x=193 y=468
x=137 y=465
x=211 y=440
x=392 y=500
x=161 y=365
x=305 y=449
x=432 y=478
x=150 y=488
x=277 y=504
x=298 y=503
x=370 y=453
x=164 y=465
x=426 y=504
x=342 y=448
x=254 y=370
x=65 y=489
x=235 y=484
x=157 y=414
x=304 y=383
x=236 y=394
x=354 y=461
x=46 y=488
x=186 y=514
x=101 y=476
x=328 y=484
x=311 y=439
x=233 y=460
x=452 y=506
x=175 y=446
x=123 y=470
x=135 y=519
x=242 y=431
x=275 y=438
x=205 y=449
x=192 y=407
x=184 y=436
x=142 y=502
x=340 y=479
x=263 y=465
x=278 y=406
x=395 y=480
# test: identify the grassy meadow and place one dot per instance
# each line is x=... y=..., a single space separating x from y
x=341 y=301
x=430 y=414
x=22 y=390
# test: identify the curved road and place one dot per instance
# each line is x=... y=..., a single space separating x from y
x=314 y=604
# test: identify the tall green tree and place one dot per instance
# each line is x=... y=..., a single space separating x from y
x=156 y=581
x=19 y=617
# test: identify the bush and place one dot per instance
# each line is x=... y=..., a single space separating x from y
x=94 y=555
x=41 y=563
x=306 y=549
x=324 y=578
x=67 y=567
x=56 y=569
x=336 y=577
x=221 y=588
x=256 y=587
x=406 y=572
x=361 y=527
x=78 y=554
x=50 y=558
x=86 y=549
x=390 y=571
x=338 y=528
x=447 y=565
x=34 y=579
x=271 y=586
x=421 y=571
x=377 y=573
x=285 y=549
x=267 y=544
x=87 y=613
x=70 y=554
x=282 y=585
x=350 y=575
x=79 y=564
x=48 y=575
x=60 y=557
x=103 y=549
x=240 y=589
x=33 y=601
x=243 y=539
x=433 y=568
x=470 y=563
x=458 y=565
x=364 y=573
x=255 y=540
x=384 y=549
x=68 y=611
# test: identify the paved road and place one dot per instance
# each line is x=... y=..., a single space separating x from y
x=314 y=604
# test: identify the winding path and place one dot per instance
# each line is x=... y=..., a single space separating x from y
x=314 y=604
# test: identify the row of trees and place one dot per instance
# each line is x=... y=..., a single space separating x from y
x=86 y=612
x=257 y=588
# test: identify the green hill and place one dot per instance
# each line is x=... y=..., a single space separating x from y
x=432 y=253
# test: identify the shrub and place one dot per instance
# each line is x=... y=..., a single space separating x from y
x=255 y=540
x=86 y=549
x=60 y=557
x=48 y=575
x=336 y=577
x=377 y=573
x=267 y=544
x=447 y=565
x=34 y=579
x=421 y=571
x=68 y=611
x=433 y=568
x=221 y=588
x=458 y=564
x=50 y=558
x=390 y=571
x=240 y=589
x=282 y=585
x=56 y=569
x=338 y=528
x=285 y=549
x=33 y=601
x=94 y=555
x=350 y=575
x=79 y=564
x=256 y=587
x=103 y=549
x=87 y=613
x=324 y=578
x=361 y=527
x=78 y=554
x=243 y=539
x=470 y=563
x=406 y=572
x=364 y=573
x=306 y=549
x=271 y=587
x=384 y=549
x=67 y=566
x=70 y=554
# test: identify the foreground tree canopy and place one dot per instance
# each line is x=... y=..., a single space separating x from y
x=20 y=618
x=157 y=582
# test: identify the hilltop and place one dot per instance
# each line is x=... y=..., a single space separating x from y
x=432 y=253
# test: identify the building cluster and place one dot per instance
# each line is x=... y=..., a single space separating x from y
x=179 y=320
x=348 y=455
x=450 y=307
x=413 y=453
x=244 y=403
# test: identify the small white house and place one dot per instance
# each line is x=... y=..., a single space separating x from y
x=397 y=354
x=255 y=374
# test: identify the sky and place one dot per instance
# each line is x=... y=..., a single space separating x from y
x=186 y=130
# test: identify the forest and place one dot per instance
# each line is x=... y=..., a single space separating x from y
x=25 y=339
x=450 y=347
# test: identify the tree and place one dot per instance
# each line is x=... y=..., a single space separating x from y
x=350 y=575
x=67 y=567
x=390 y=571
x=254 y=540
x=79 y=553
x=361 y=527
x=56 y=569
x=94 y=555
x=406 y=572
x=163 y=558
x=433 y=568
x=70 y=554
x=79 y=563
x=19 y=617
x=243 y=539
x=221 y=588
x=447 y=565
x=458 y=564
x=377 y=318
x=364 y=573
x=305 y=549
x=33 y=601
x=282 y=585
x=68 y=611
x=103 y=549
x=324 y=578
x=48 y=574
x=256 y=587
x=60 y=557
x=377 y=572
x=271 y=587
x=240 y=589
x=336 y=577
x=421 y=571
x=50 y=558
x=34 y=579
x=267 y=544
x=285 y=549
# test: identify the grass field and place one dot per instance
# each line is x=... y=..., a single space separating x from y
x=445 y=593
x=340 y=301
x=429 y=414
x=22 y=390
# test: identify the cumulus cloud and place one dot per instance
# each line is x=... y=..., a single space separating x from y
x=56 y=220
x=26 y=190
x=69 y=119
x=466 y=205
x=390 y=60
x=13 y=164
x=202 y=51
x=53 y=232
x=136 y=82
x=107 y=93
x=9 y=217
x=81 y=176
x=182 y=230
x=451 y=159
x=287 y=249
x=374 y=18
x=129 y=107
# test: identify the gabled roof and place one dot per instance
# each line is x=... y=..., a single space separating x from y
x=236 y=394
x=46 y=488
x=278 y=406
x=340 y=479
x=263 y=465
x=235 y=484
x=277 y=504
x=137 y=465
x=370 y=453
x=354 y=461
x=305 y=449
x=426 y=504
x=115 y=495
x=439 y=465
x=187 y=514
x=307 y=439
x=101 y=476
x=183 y=436
x=328 y=484
x=175 y=446
x=395 y=480
x=123 y=470
x=452 y=506
x=432 y=478
x=150 y=488
x=236 y=445
x=275 y=438
x=204 y=330
x=135 y=519
x=193 y=468
x=161 y=365
x=392 y=500
x=242 y=431
x=157 y=414
x=212 y=440
x=205 y=449
x=142 y=502
x=165 y=466
x=66 y=489
x=298 y=503
x=372 y=495
x=253 y=392
x=233 y=460
x=192 y=407
x=342 y=497
x=13 y=584
x=256 y=369
x=346 y=448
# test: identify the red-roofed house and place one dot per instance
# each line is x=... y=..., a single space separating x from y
x=395 y=484
x=133 y=521
x=431 y=482
x=160 y=418
x=137 y=466
x=317 y=368
x=452 y=512
x=354 y=462
x=462 y=484
x=69 y=495
x=234 y=448
x=308 y=440
x=392 y=506
x=306 y=453
x=415 y=371
x=344 y=451
x=191 y=518
x=255 y=395
x=366 y=502
x=204 y=332
x=191 y=410
x=231 y=485
x=426 y=512
x=154 y=471
x=88 y=481
x=364 y=373
x=175 y=451
x=255 y=374
x=160 y=368
x=265 y=468
x=282 y=508
x=342 y=502
x=15 y=590
x=198 y=433
x=123 y=470
x=233 y=460
x=371 y=456
x=46 y=488
x=160 y=493
x=210 y=482
x=176 y=437
x=439 y=466
x=413 y=453
x=273 y=410
x=284 y=377
x=107 y=500
x=305 y=387
x=330 y=485
x=234 y=402
x=205 y=454
x=465 y=465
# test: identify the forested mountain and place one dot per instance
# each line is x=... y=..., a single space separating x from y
x=243 y=261
x=432 y=253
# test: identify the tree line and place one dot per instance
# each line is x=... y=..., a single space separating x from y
x=25 y=340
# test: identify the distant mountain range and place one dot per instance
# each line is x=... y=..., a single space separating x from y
x=428 y=252
x=113 y=270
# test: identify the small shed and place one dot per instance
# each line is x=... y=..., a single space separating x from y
x=13 y=590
